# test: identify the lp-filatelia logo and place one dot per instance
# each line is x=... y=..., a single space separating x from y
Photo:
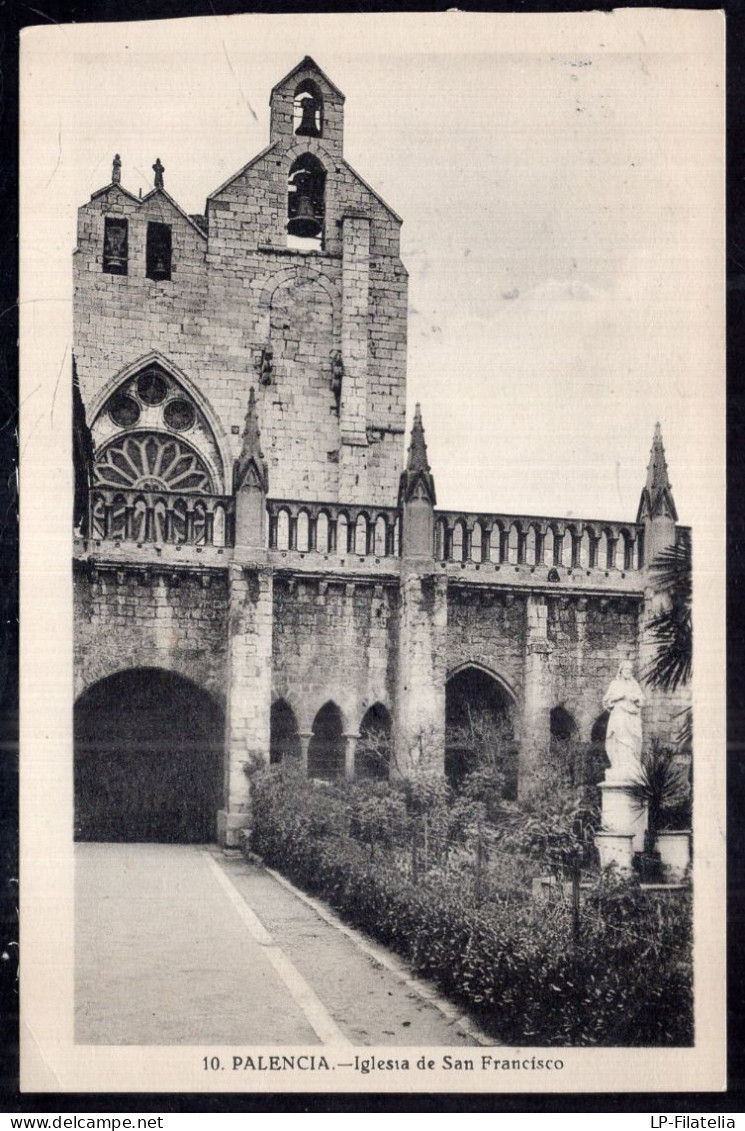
x=691 y=1122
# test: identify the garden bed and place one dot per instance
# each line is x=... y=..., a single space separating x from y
x=401 y=864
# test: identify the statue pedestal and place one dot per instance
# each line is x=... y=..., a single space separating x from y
x=616 y=848
x=624 y=819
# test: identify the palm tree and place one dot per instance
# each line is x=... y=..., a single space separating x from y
x=671 y=628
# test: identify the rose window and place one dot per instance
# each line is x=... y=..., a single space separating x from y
x=168 y=473
x=152 y=462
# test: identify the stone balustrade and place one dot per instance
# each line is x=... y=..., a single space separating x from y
x=471 y=537
x=161 y=517
x=334 y=528
x=461 y=538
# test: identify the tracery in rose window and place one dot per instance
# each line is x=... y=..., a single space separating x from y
x=167 y=471
x=150 y=461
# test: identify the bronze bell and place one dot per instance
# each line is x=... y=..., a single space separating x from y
x=161 y=269
x=308 y=127
x=115 y=248
x=304 y=223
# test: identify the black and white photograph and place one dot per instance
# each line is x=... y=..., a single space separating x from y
x=372 y=574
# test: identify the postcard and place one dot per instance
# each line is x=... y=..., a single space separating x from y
x=372 y=560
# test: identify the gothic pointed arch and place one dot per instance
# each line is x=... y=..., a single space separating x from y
x=372 y=757
x=504 y=684
x=326 y=747
x=152 y=395
x=284 y=737
x=479 y=725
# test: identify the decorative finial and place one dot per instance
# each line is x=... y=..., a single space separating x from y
x=417 y=460
x=657 y=478
x=657 y=496
x=159 y=170
x=250 y=466
x=417 y=479
x=116 y=170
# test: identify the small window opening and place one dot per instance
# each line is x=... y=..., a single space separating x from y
x=158 y=251
x=306 y=188
x=307 y=110
x=115 y=251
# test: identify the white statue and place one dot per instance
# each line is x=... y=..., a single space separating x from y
x=623 y=740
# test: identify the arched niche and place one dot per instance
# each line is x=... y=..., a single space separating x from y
x=306 y=203
x=307 y=110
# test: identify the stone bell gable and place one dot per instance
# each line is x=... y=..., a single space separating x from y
x=290 y=281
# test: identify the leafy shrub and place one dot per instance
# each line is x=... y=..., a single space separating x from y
x=514 y=964
x=663 y=784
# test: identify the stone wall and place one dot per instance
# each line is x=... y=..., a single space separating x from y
x=253 y=633
x=119 y=318
x=333 y=640
x=487 y=628
x=589 y=639
x=130 y=619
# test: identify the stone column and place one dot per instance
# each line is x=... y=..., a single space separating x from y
x=355 y=317
x=350 y=746
x=419 y=736
x=305 y=737
x=249 y=690
x=535 y=732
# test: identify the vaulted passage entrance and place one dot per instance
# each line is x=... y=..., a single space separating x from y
x=148 y=759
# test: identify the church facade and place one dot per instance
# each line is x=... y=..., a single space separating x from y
x=260 y=566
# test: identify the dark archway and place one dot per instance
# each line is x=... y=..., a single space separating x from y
x=563 y=747
x=479 y=728
x=372 y=757
x=284 y=740
x=148 y=759
x=326 y=748
x=596 y=761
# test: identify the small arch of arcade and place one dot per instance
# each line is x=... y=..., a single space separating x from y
x=480 y=725
x=148 y=758
x=577 y=745
x=328 y=746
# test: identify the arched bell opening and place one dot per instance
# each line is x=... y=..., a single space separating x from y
x=307 y=110
x=479 y=728
x=372 y=757
x=306 y=203
x=284 y=739
x=148 y=759
x=326 y=747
